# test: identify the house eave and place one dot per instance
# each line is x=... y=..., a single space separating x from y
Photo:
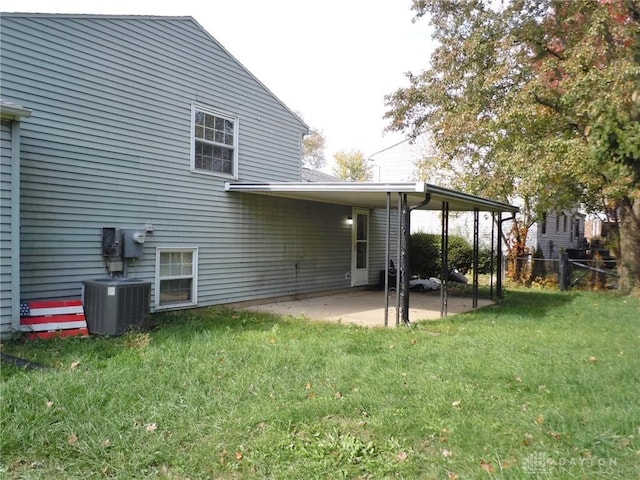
x=12 y=111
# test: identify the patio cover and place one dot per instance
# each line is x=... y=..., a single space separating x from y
x=374 y=195
x=410 y=196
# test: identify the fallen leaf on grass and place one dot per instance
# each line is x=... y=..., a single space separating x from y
x=447 y=453
x=49 y=404
x=402 y=456
x=74 y=365
x=106 y=443
x=452 y=476
x=487 y=466
x=72 y=439
x=151 y=427
x=593 y=359
x=540 y=420
x=239 y=456
x=338 y=395
x=456 y=403
x=527 y=440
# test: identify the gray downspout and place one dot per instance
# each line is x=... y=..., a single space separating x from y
x=15 y=225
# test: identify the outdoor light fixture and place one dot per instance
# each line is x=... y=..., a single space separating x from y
x=349 y=220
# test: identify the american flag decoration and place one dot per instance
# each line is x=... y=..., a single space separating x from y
x=53 y=318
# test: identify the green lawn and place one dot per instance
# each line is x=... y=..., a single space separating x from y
x=545 y=385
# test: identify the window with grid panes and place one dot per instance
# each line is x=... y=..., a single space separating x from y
x=176 y=276
x=214 y=142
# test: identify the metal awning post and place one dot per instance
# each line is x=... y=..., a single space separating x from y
x=476 y=248
x=493 y=230
x=387 y=258
x=398 y=246
x=499 y=258
x=444 y=270
x=405 y=260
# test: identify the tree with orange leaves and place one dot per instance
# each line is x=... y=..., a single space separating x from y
x=537 y=100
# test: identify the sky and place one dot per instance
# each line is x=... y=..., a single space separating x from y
x=331 y=61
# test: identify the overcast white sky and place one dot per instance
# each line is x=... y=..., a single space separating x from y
x=331 y=60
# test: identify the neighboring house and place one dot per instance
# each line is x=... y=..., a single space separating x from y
x=398 y=163
x=148 y=125
x=310 y=175
x=561 y=231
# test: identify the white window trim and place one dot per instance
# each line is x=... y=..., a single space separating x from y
x=194 y=275
x=218 y=113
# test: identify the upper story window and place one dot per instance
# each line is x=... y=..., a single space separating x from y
x=214 y=142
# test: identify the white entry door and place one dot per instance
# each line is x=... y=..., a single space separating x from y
x=360 y=250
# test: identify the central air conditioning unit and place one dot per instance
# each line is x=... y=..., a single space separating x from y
x=112 y=306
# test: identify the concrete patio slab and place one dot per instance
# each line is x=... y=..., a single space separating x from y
x=366 y=308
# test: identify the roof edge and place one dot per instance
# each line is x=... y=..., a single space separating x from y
x=106 y=16
x=13 y=111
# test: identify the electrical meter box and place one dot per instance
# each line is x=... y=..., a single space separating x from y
x=132 y=243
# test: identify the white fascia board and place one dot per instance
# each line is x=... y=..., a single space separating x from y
x=293 y=187
x=13 y=111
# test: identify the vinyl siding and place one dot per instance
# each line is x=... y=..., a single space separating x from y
x=6 y=251
x=108 y=145
x=378 y=238
x=555 y=238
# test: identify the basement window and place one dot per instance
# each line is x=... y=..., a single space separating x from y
x=176 y=277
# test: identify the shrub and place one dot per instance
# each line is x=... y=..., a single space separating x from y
x=426 y=253
x=484 y=261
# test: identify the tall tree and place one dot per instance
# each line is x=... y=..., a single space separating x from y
x=535 y=99
x=313 y=146
x=352 y=166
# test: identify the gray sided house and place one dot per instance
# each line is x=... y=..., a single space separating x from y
x=138 y=122
x=149 y=128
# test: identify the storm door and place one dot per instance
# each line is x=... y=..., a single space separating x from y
x=360 y=251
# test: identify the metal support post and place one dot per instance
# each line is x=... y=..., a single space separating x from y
x=387 y=258
x=476 y=248
x=398 y=259
x=493 y=230
x=499 y=258
x=405 y=266
x=444 y=271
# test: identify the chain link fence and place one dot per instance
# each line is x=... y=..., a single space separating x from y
x=586 y=273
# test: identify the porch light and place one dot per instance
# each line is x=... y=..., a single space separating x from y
x=349 y=220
